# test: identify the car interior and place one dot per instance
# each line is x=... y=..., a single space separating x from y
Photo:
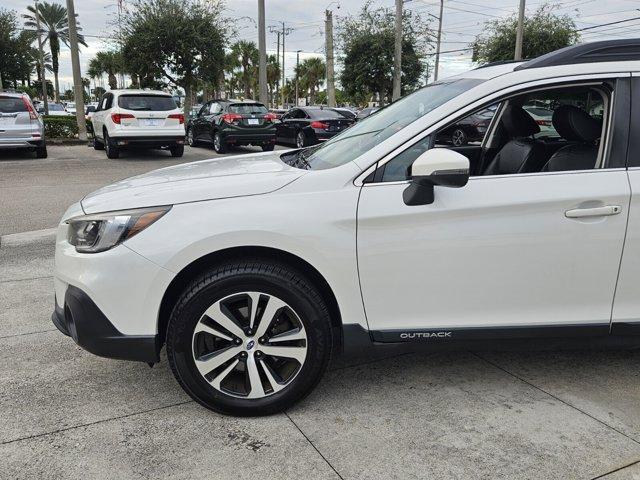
x=550 y=130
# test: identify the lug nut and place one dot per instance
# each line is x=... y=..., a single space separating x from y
x=238 y=341
x=262 y=340
x=249 y=332
x=258 y=353
x=243 y=354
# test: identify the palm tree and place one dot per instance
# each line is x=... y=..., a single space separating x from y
x=54 y=25
x=109 y=63
x=311 y=74
x=244 y=55
x=273 y=75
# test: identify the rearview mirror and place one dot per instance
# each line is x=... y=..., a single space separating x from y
x=438 y=166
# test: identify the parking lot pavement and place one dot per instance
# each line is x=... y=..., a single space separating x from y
x=68 y=414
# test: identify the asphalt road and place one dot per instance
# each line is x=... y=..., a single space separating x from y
x=469 y=415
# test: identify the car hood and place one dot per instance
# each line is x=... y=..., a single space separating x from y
x=226 y=177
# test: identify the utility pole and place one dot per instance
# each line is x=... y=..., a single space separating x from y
x=328 y=31
x=297 y=75
x=262 y=46
x=42 y=69
x=435 y=70
x=277 y=93
x=397 y=53
x=78 y=89
x=285 y=32
x=520 y=32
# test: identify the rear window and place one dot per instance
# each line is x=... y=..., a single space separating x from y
x=247 y=108
x=56 y=107
x=156 y=103
x=12 y=105
x=323 y=113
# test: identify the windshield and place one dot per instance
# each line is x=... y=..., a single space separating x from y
x=247 y=108
x=56 y=107
x=375 y=129
x=156 y=103
x=12 y=104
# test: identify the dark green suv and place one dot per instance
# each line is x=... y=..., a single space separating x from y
x=228 y=123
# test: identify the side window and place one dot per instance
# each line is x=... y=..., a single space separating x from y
x=215 y=108
x=203 y=110
x=108 y=101
x=547 y=130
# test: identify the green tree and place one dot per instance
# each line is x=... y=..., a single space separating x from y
x=180 y=41
x=109 y=63
x=15 y=49
x=244 y=55
x=273 y=76
x=311 y=74
x=367 y=41
x=54 y=26
x=544 y=32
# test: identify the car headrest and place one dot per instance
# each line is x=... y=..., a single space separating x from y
x=575 y=125
x=518 y=123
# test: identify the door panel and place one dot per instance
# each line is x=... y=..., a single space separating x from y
x=498 y=252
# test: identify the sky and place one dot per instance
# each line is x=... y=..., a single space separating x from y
x=462 y=21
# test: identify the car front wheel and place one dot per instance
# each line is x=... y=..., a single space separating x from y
x=190 y=138
x=459 y=138
x=249 y=338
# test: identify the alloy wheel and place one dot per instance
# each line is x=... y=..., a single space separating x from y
x=190 y=137
x=300 y=140
x=458 y=138
x=249 y=345
x=216 y=142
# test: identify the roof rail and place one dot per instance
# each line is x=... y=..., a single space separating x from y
x=499 y=62
x=593 y=52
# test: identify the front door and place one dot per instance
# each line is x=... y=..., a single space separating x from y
x=503 y=256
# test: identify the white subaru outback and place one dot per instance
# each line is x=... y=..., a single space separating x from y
x=254 y=269
x=142 y=118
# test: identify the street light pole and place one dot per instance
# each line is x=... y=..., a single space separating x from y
x=43 y=81
x=437 y=65
x=520 y=32
x=78 y=88
x=262 y=46
x=331 y=87
x=297 y=76
x=397 y=54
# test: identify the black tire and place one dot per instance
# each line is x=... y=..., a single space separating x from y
x=219 y=145
x=459 y=138
x=41 y=152
x=301 y=140
x=249 y=276
x=112 y=150
x=97 y=144
x=268 y=147
x=191 y=141
x=177 y=151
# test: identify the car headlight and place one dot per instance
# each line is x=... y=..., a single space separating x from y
x=100 y=232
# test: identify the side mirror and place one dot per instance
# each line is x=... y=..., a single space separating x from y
x=438 y=166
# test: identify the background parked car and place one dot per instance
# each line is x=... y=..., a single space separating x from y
x=365 y=112
x=278 y=112
x=144 y=118
x=543 y=117
x=227 y=123
x=58 y=110
x=346 y=113
x=469 y=129
x=20 y=125
x=306 y=126
x=70 y=107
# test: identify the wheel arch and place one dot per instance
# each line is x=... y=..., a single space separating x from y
x=210 y=260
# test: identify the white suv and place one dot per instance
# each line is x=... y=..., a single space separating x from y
x=144 y=118
x=253 y=270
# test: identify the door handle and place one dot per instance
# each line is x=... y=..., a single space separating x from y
x=605 y=211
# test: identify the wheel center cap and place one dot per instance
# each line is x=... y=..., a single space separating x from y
x=250 y=345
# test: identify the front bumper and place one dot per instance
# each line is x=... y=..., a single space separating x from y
x=82 y=320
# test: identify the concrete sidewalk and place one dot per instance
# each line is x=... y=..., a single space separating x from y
x=69 y=414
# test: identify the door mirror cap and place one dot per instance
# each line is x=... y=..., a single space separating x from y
x=437 y=166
